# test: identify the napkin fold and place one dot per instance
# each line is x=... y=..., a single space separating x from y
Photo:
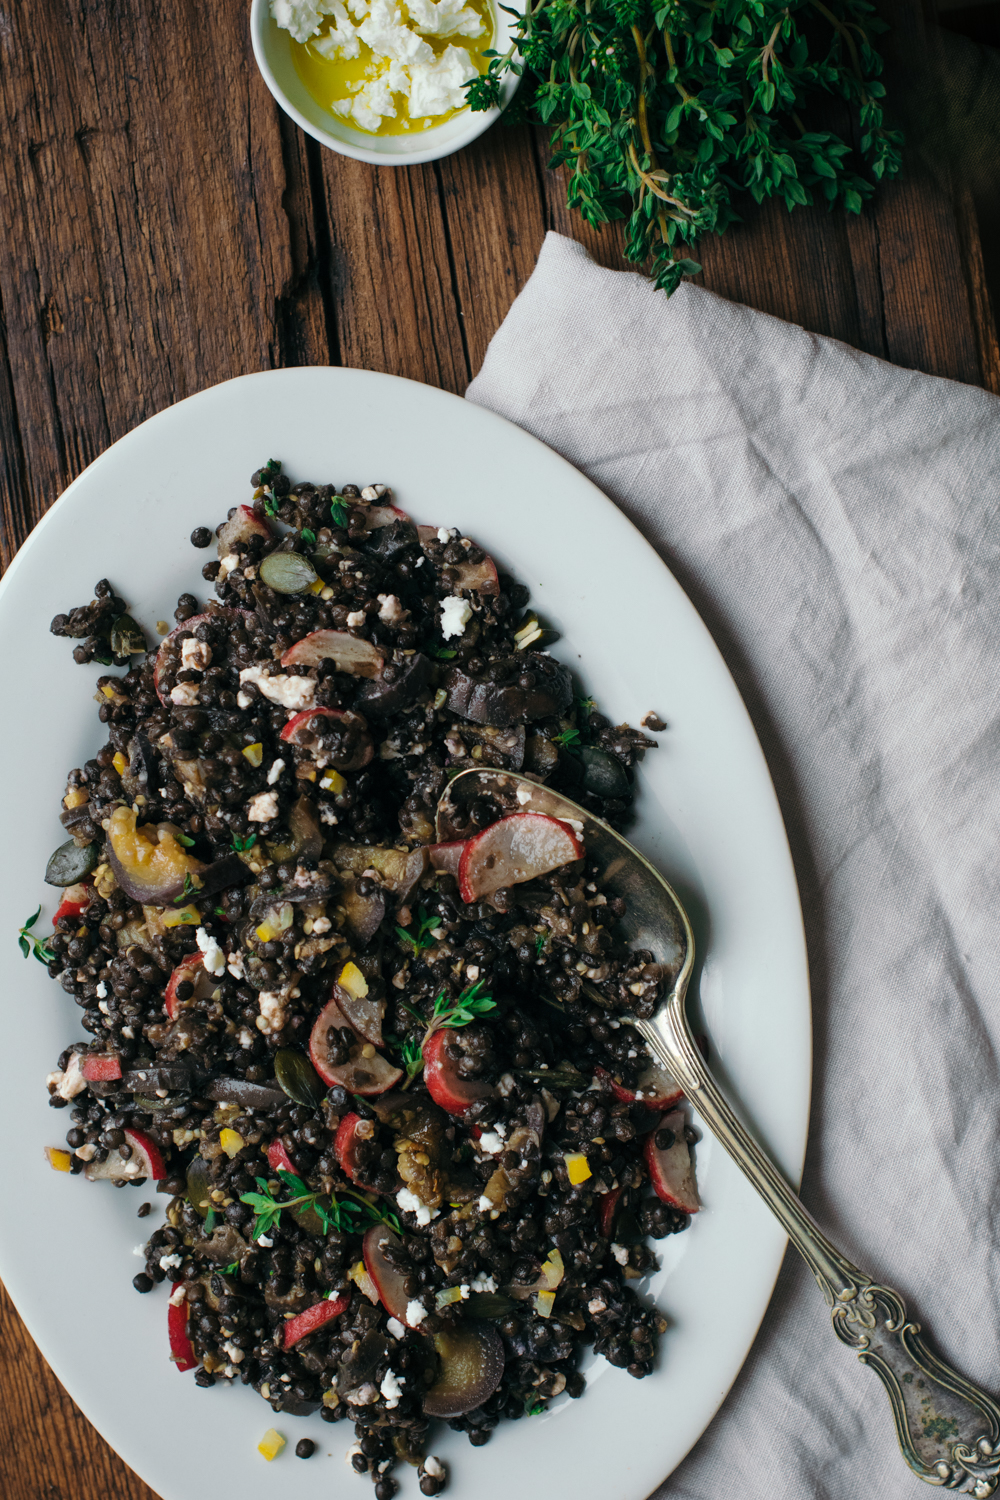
x=834 y=519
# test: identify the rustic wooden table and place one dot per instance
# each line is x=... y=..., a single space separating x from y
x=167 y=228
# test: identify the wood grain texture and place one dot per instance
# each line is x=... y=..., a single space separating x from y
x=167 y=228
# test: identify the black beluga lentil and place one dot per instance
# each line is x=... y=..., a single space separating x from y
x=262 y=817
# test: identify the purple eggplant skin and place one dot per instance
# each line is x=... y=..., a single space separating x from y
x=520 y=688
x=364 y=913
x=223 y=874
x=380 y=696
x=246 y=1095
x=458 y=1390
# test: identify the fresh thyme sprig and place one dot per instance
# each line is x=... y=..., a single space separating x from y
x=30 y=945
x=338 y=512
x=345 y=1213
x=242 y=845
x=427 y=923
x=664 y=109
x=447 y=1014
x=188 y=891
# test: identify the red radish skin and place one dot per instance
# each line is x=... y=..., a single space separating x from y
x=513 y=850
x=346 y=1142
x=672 y=1171
x=447 y=857
x=366 y=1076
x=478 y=578
x=384 y=515
x=278 y=1158
x=242 y=526
x=181 y=1349
x=314 y=1317
x=189 y=969
x=606 y=1210
x=187 y=626
x=148 y=1148
x=74 y=902
x=348 y=652
x=145 y=1161
x=101 y=1067
x=387 y=1278
x=444 y=1085
x=658 y=1089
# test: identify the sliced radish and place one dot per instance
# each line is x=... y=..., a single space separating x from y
x=607 y=1207
x=101 y=1067
x=361 y=1074
x=165 y=656
x=191 y=970
x=445 y=1086
x=658 y=1088
x=447 y=857
x=301 y=731
x=181 y=1348
x=379 y=516
x=478 y=578
x=243 y=525
x=514 y=850
x=388 y=1279
x=76 y=899
x=351 y=1131
x=314 y=1317
x=278 y=1158
x=347 y=652
x=672 y=1171
x=145 y=1161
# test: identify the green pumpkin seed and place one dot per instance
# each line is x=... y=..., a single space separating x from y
x=489 y=1305
x=603 y=774
x=127 y=638
x=297 y=1076
x=70 y=863
x=287 y=572
x=199 y=1186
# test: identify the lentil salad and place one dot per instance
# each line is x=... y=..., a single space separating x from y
x=407 y=1139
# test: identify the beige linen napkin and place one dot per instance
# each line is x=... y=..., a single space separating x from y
x=835 y=520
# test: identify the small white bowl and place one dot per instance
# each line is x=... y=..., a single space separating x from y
x=272 y=49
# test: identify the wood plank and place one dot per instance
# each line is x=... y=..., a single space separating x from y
x=389 y=280
x=494 y=214
x=50 y=1451
x=145 y=208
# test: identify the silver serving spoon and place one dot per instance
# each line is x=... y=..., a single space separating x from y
x=948 y=1429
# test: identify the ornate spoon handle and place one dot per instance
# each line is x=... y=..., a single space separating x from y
x=948 y=1429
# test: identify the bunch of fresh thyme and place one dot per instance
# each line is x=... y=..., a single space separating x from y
x=665 y=108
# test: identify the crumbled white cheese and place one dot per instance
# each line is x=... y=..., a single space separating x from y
x=341 y=40
x=392 y=1388
x=523 y=795
x=410 y=1203
x=416 y=1312
x=370 y=491
x=140 y=1251
x=439 y=86
x=300 y=17
x=596 y=1305
x=235 y=965
x=262 y=1239
x=87 y=1152
x=195 y=655
x=245 y=1037
x=327 y=814
x=212 y=957
x=227 y=565
x=434 y=1467
x=272 y=1010
x=185 y=694
x=391 y=611
x=176 y=1298
x=102 y=1006
x=236 y=1355
x=620 y=1253
x=67 y=1085
x=289 y=692
x=243 y=699
x=490 y=1142
x=321 y=925
x=357 y=616
x=483 y=1283
x=456 y=612
x=444 y=535
x=444 y=18
x=102 y=991
x=276 y=769
x=485 y=1204
x=396 y=1328
x=169 y=1262
x=263 y=807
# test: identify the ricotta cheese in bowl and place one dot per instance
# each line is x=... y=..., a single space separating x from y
x=383 y=80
